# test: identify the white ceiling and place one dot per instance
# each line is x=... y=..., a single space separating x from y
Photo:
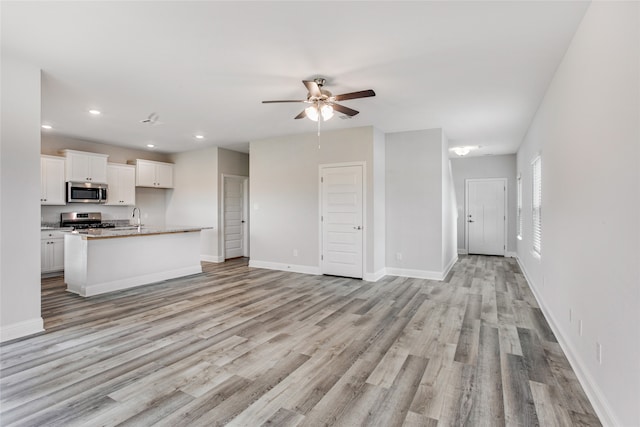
x=477 y=69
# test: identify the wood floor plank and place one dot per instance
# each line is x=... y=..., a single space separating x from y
x=244 y=346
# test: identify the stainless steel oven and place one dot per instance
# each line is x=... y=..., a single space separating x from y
x=86 y=192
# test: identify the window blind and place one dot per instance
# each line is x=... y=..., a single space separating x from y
x=537 y=205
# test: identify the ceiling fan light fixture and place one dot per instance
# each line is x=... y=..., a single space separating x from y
x=327 y=112
x=312 y=112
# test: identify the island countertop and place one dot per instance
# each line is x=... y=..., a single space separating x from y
x=134 y=231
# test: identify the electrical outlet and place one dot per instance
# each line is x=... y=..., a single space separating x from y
x=570 y=315
x=398 y=256
x=295 y=252
x=599 y=353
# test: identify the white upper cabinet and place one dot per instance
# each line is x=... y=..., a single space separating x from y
x=122 y=185
x=85 y=167
x=153 y=174
x=52 y=191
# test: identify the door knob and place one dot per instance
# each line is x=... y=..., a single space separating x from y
x=471 y=220
x=357 y=228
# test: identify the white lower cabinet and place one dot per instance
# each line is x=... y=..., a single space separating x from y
x=51 y=251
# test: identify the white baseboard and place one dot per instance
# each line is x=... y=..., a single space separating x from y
x=449 y=266
x=374 y=277
x=510 y=254
x=416 y=274
x=134 y=281
x=211 y=258
x=306 y=269
x=21 y=329
x=596 y=397
x=462 y=251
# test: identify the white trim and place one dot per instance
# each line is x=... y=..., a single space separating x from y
x=212 y=258
x=135 y=281
x=596 y=397
x=462 y=251
x=21 y=329
x=449 y=266
x=245 y=214
x=374 y=277
x=365 y=228
x=510 y=254
x=505 y=181
x=305 y=269
x=416 y=274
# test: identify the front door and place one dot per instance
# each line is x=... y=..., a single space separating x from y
x=485 y=216
x=235 y=225
x=341 y=221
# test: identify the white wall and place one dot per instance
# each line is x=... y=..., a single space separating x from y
x=377 y=258
x=194 y=200
x=285 y=200
x=449 y=229
x=414 y=170
x=19 y=204
x=587 y=130
x=486 y=167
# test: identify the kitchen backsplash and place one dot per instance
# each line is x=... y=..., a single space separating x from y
x=151 y=202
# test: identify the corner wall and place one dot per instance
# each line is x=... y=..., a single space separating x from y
x=194 y=200
x=19 y=163
x=449 y=212
x=587 y=130
x=414 y=186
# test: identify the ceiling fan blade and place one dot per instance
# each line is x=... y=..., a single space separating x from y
x=344 y=110
x=285 y=100
x=354 y=95
x=313 y=88
x=302 y=115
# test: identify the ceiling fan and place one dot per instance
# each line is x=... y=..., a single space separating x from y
x=324 y=103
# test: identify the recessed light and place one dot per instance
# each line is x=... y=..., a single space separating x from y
x=95 y=112
x=150 y=145
x=199 y=136
x=46 y=127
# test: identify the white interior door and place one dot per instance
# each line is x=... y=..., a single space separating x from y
x=341 y=221
x=235 y=219
x=485 y=216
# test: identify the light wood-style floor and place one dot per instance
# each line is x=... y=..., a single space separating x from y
x=249 y=347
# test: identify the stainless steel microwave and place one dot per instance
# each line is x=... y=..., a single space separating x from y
x=86 y=192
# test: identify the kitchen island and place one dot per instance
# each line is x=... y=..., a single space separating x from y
x=104 y=260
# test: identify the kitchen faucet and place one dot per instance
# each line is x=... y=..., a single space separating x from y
x=133 y=215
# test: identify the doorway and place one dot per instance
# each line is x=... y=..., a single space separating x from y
x=341 y=220
x=235 y=216
x=485 y=216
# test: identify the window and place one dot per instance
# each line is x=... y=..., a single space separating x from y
x=519 y=208
x=536 y=204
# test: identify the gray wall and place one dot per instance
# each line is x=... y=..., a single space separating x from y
x=587 y=132
x=285 y=200
x=414 y=200
x=20 y=208
x=486 y=167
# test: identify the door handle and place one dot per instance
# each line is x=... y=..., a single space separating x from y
x=471 y=220
x=357 y=228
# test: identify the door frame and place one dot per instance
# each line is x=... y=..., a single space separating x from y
x=365 y=211
x=245 y=214
x=505 y=182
